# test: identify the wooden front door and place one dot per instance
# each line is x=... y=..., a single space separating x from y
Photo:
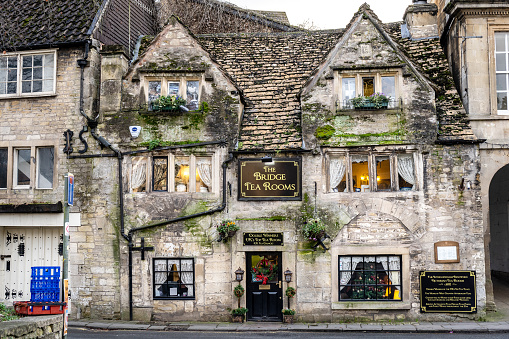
x=264 y=297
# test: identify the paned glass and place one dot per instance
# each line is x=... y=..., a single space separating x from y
x=160 y=174
x=500 y=42
x=383 y=173
x=501 y=82
x=182 y=174
x=203 y=174
x=368 y=86
x=501 y=62
x=348 y=91
x=45 y=163
x=154 y=90
x=360 y=173
x=173 y=278
x=23 y=167
x=192 y=94
x=3 y=167
x=173 y=88
x=502 y=101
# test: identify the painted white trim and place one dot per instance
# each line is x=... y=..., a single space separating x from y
x=38 y=219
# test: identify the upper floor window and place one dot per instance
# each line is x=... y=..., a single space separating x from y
x=188 y=89
x=30 y=166
x=366 y=85
x=27 y=74
x=173 y=173
x=502 y=71
x=364 y=172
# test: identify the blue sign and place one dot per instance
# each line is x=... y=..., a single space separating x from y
x=70 y=189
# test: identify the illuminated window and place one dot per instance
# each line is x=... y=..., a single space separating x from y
x=173 y=278
x=356 y=172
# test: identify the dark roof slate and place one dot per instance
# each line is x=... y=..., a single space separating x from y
x=271 y=69
x=28 y=24
x=428 y=56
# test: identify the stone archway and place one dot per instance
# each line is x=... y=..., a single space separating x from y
x=499 y=223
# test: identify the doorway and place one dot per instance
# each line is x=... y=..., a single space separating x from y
x=264 y=297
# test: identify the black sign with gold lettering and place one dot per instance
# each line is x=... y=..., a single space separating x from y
x=448 y=291
x=276 y=180
x=264 y=239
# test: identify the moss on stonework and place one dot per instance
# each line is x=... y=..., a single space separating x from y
x=325 y=132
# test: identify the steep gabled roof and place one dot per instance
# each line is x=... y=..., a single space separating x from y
x=28 y=24
x=271 y=69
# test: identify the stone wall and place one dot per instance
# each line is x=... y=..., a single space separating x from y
x=48 y=326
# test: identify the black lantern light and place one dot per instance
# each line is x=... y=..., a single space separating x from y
x=239 y=274
x=288 y=275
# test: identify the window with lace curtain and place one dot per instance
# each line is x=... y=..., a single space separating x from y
x=370 y=278
x=366 y=172
x=173 y=278
x=171 y=173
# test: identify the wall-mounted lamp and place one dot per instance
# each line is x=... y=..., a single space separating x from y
x=288 y=275
x=267 y=159
x=239 y=274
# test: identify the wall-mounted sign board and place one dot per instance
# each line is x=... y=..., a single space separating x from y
x=280 y=179
x=447 y=252
x=448 y=292
x=264 y=239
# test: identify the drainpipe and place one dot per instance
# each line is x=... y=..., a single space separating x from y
x=82 y=63
x=166 y=222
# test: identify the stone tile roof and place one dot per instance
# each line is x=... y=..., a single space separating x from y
x=271 y=69
x=34 y=23
x=428 y=56
x=276 y=16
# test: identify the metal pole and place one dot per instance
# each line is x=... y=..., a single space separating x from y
x=65 y=265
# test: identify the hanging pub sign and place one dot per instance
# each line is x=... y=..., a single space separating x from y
x=448 y=291
x=279 y=179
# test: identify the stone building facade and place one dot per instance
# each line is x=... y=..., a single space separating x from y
x=474 y=35
x=273 y=137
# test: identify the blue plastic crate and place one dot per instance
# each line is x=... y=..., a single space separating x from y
x=42 y=283
x=46 y=271
x=45 y=295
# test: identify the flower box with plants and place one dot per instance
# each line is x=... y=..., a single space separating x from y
x=226 y=229
x=288 y=315
x=374 y=101
x=313 y=229
x=238 y=314
x=167 y=103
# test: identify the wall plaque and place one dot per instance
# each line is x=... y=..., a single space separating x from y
x=448 y=291
x=276 y=180
x=264 y=239
x=447 y=252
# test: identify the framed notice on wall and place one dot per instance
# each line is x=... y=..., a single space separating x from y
x=279 y=179
x=447 y=252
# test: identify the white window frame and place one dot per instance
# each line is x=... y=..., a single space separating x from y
x=506 y=72
x=371 y=156
x=165 y=80
x=359 y=75
x=12 y=165
x=171 y=172
x=19 y=56
x=37 y=168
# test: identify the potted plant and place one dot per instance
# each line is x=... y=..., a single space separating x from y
x=313 y=229
x=239 y=292
x=167 y=103
x=374 y=101
x=238 y=314
x=226 y=229
x=288 y=315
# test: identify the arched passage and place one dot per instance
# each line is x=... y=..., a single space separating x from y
x=499 y=223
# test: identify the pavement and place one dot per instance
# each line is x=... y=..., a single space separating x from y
x=496 y=322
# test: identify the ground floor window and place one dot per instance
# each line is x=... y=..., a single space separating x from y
x=173 y=278
x=370 y=278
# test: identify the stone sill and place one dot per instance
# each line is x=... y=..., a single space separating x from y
x=368 y=305
x=487 y=117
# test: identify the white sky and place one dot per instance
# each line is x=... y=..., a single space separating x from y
x=326 y=14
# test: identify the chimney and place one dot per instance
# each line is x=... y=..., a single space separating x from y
x=421 y=20
x=114 y=64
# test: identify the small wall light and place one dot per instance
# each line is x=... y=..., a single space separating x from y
x=239 y=274
x=267 y=159
x=288 y=275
